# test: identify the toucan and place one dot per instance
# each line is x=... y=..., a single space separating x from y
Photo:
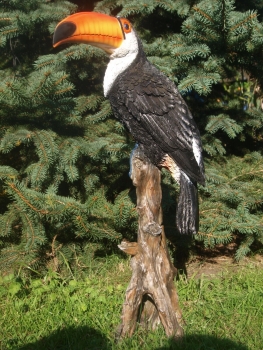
x=147 y=103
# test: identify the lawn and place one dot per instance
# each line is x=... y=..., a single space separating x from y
x=221 y=312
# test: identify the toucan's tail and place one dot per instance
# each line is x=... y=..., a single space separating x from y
x=187 y=212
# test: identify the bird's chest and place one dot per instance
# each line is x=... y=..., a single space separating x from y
x=115 y=68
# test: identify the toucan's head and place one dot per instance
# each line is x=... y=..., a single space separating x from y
x=112 y=34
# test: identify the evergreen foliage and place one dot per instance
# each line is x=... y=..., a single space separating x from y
x=64 y=159
x=61 y=162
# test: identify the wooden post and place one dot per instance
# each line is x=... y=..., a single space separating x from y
x=151 y=296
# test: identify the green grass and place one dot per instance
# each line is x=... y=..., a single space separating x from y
x=225 y=312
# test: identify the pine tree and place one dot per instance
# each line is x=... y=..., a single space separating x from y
x=64 y=159
x=227 y=69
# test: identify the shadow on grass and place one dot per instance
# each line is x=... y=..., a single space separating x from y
x=71 y=338
x=86 y=338
x=202 y=342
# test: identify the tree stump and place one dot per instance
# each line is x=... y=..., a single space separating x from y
x=151 y=296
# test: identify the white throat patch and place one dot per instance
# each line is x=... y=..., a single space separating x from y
x=120 y=60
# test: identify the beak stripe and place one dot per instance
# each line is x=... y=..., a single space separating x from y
x=119 y=20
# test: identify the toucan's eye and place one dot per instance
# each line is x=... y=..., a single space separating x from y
x=126 y=25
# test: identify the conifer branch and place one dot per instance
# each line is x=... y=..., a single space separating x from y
x=16 y=190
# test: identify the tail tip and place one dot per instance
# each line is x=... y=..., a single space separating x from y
x=187 y=230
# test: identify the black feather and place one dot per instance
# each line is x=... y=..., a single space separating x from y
x=187 y=212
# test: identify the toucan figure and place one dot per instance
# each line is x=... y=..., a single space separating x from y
x=147 y=103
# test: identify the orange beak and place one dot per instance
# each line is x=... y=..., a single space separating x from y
x=92 y=28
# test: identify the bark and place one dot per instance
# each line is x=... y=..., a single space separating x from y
x=151 y=296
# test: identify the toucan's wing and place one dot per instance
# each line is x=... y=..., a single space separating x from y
x=155 y=102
